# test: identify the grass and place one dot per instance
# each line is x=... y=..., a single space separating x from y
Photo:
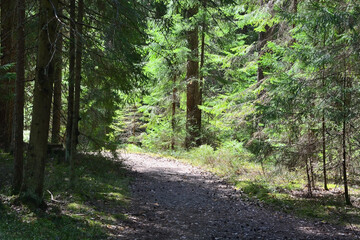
x=273 y=187
x=88 y=211
x=327 y=206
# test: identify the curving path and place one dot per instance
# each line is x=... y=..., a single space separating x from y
x=173 y=200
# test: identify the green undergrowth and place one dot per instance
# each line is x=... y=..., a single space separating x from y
x=271 y=186
x=90 y=210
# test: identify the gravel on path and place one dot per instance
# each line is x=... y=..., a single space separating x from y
x=173 y=200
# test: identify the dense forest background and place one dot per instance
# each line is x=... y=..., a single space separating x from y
x=272 y=84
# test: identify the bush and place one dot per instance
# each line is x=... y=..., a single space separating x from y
x=204 y=154
x=228 y=158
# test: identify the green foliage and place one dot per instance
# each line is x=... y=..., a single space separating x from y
x=227 y=160
x=72 y=214
x=262 y=133
x=308 y=55
x=112 y=65
x=159 y=137
x=5 y=72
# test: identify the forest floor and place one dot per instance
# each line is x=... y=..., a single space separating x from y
x=173 y=200
x=139 y=196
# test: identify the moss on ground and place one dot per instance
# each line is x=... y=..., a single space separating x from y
x=88 y=211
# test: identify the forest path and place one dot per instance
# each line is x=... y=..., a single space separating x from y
x=173 y=200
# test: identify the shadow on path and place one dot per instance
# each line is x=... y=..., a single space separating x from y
x=171 y=200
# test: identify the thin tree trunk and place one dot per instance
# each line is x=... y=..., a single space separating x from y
x=133 y=123
x=324 y=151
x=202 y=62
x=78 y=69
x=345 y=110
x=262 y=43
x=76 y=113
x=346 y=189
x=312 y=173
x=308 y=176
x=69 y=123
x=324 y=140
x=324 y=127
x=32 y=187
x=173 y=114
x=295 y=10
x=56 y=119
x=19 y=99
x=193 y=113
x=8 y=20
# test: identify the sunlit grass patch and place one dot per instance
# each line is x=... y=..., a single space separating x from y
x=292 y=198
x=116 y=196
x=133 y=148
x=81 y=208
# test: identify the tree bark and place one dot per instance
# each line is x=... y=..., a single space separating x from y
x=32 y=187
x=193 y=113
x=346 y=104
x=324 y=135
x=262 y=42
x=71 y=82
x=173 y=113
x=19 y=99
x=295 y=10
x=324 y=151
x=312 y=173
x=346 y=189
x=76 y=113
x=8 y=20
x=308 y=176
x=56 y=116
x=202 y=62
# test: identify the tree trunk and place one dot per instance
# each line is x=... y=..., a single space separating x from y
x=69 y=123
x=308 y=176
x=78 y=69
x=32 y=187
x=202 y=62
x=193 y=114
x=295 y=10
x=76 y=113
x=324 y=138
x=173 y=113
x=262 y=42
x=346 y=104
x=19 y=99
x=312 y=173
x=324 y=125
x=346 y=189
x=56 y=117
x=324 y=151
x=8 y=20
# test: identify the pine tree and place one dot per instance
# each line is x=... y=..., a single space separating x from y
x=19 y=98
x=193 y=113
x=72 y=54
x=7 y=86
x=32 y=187
x=78 y=66
x=57 y=101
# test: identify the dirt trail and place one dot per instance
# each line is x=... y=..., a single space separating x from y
x=172 y=200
